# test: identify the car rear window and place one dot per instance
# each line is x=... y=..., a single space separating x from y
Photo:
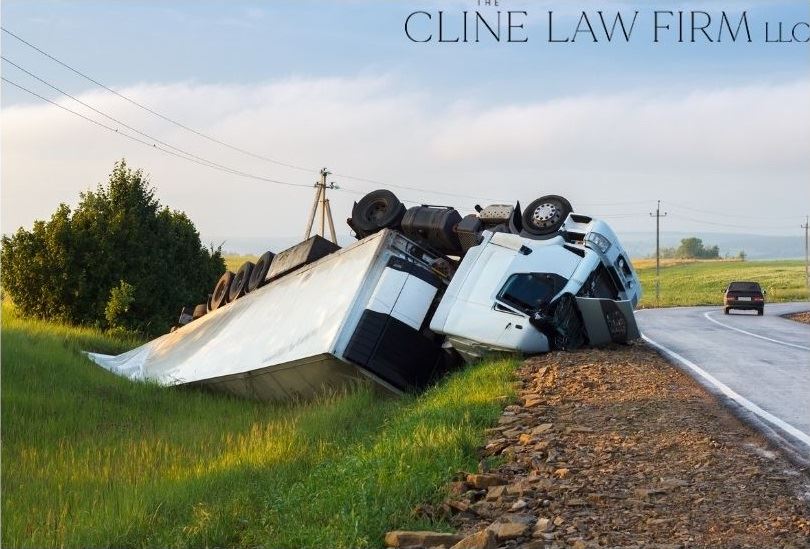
x=744 y=287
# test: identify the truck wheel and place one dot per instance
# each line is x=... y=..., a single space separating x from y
x=240 y=281
x=221 y=290
x=377 y=210
x=546 y=215
x=260 y=271
x=200 y=311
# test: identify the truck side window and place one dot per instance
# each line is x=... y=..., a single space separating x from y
x=527 y=292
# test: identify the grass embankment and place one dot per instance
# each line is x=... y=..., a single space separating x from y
x=685 y=283
x=92 y=460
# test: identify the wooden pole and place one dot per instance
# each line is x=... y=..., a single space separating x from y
x=658 y=215
x=806 y=228
x=314 y=209
x=326 y=211
x=323 y=201
x=331 y=223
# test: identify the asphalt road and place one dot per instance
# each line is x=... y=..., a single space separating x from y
x=761 y=363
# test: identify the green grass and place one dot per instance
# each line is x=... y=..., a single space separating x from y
x=92 y=460
x=233 y=261
x=685 y=283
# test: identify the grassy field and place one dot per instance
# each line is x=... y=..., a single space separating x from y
x=233 y=262
x=685 y=282
x=93 y=460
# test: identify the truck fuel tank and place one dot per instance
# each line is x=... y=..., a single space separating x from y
x=434 y=226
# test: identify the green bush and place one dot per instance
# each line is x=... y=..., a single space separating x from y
x=73 y=267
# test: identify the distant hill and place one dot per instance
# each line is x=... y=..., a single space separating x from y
x=637 y=243
x=756 y=246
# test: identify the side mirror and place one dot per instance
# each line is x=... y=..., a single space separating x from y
x=764 y=292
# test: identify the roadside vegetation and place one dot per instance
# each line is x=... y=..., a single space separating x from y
x=691 y=282
x=93 y=460
x=119 y=260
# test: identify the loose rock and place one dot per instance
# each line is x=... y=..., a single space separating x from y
x=485 y=539
x=405 y=538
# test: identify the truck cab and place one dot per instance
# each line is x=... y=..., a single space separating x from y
x=509 y=292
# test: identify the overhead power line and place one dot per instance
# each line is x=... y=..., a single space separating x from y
x=124 y=124
x=717 y=213
x=712 y=223
x=154 y=145
x=221 y=142
x=154 y=112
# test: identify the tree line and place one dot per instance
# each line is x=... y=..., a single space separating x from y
x=119 y=260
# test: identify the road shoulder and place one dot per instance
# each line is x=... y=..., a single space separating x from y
x=618 y=447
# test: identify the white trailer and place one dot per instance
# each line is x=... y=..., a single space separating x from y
x=360 y=312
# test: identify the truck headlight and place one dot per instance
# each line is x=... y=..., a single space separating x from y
x=598 y=241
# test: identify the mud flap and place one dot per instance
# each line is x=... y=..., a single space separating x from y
x=573 y=322
x=607 y=321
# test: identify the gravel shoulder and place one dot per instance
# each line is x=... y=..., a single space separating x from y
x=619 y=448
x=800 y=317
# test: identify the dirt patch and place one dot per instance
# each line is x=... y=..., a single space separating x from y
x=619 y=448
x=800 y=317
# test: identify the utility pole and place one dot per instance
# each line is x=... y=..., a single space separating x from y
x=658 y=215
x=806 y=228
x=322 y=202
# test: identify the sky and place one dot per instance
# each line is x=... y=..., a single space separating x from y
x=719 y=132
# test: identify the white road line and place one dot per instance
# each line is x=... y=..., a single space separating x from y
x=726 y=390
x=708 y=317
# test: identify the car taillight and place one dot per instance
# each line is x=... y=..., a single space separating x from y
x=731 y=296
x=757 y=298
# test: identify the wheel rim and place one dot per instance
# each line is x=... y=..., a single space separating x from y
x=376 y=211
x=545 y=215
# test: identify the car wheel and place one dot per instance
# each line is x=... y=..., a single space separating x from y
x=546 y=215
x=377 y=210
x=726 y=310
x=221 y=290
x=760 y=312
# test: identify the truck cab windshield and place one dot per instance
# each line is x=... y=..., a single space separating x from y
x=527 y=292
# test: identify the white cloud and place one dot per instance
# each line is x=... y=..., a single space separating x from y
x=737 y=150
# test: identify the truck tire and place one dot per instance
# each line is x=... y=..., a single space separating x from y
x=569 y=328
x=378 y=210
x=221 y=291
x=240 y=281
x=200 y=310
x=259 y=272
x=545 y=216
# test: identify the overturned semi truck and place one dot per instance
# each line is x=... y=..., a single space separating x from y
x=421 y=289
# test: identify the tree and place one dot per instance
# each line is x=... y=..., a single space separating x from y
x=693 y=248
x=119 y=259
